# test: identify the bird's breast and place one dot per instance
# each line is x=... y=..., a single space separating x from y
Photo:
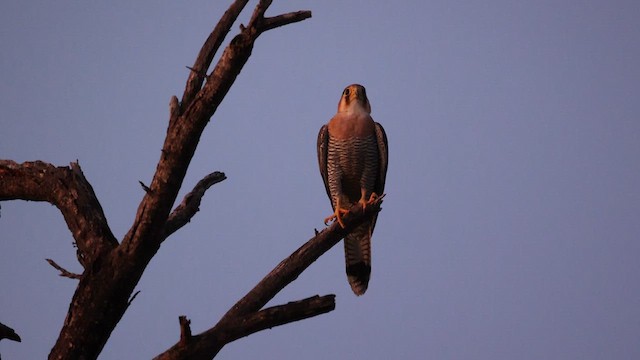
x=346 y=125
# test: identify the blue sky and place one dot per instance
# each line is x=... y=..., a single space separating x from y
x=511 y=223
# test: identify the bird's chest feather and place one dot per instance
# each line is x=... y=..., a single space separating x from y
x=349 y=159
x=351 y=151
x=347 y=125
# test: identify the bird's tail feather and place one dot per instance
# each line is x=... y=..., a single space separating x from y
x=357 y=251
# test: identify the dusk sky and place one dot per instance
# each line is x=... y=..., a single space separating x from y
x=511 y=225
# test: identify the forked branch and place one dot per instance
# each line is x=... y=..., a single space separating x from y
x=208 y=51
x=233 y=324
x=279 y=315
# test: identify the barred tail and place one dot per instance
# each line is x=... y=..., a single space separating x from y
x=357 y=251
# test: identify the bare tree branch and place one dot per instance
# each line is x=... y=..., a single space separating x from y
x=101 y=298
x=258 y=13
x=284 y=19
x=70 y=192
x=8 y=333
x=113 y=270
x=63 y=272
x=183 y=136
x=209 y=343
x=208 y=51
x=190 y=204
x=280 y=315
x=290 y=268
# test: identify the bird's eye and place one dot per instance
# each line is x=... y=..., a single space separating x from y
x=346 y=92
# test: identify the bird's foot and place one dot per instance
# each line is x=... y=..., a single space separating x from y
x=372 y=198
x=364 y=202
x=336 y=216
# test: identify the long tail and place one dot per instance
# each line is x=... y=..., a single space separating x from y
x=357 y=252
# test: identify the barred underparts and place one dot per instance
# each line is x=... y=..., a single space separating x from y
x=352 y=164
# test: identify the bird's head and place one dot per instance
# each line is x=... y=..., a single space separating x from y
x=354 y=99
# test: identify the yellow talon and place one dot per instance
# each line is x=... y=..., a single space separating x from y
x=372 y=198
x=362 y=201
x=336 y=216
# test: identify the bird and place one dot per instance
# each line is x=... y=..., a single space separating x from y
x=353 y=156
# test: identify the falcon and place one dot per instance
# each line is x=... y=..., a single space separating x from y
x=352 y=154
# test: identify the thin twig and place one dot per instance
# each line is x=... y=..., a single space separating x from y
x=8 y=333
x=145 y=187
x=63 y=272
x=197 y=71
x=133 y=297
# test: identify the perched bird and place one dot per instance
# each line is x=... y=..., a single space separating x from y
x=352 y=154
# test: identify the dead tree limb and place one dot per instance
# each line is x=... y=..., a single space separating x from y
x=190 y=204
x=208 y=51
x=279 y=315
x=8 y=333
x=103 y=292
x=234 y=324
x=63 y=272
x=70 y=192
x=290 y=268
x=111 y=269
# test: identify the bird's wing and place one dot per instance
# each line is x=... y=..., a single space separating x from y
x=323 y=145
x=383 y=156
